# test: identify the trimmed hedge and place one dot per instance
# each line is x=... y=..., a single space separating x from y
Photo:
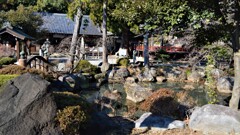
x=7 y=60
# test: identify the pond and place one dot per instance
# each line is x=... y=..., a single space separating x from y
x=197 y=93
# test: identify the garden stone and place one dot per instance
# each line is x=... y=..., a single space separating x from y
x=149 y=120
x=122 y=73
x=182 y=76
x=111 y=74
x=112 y=95
x=136 y=92
x=131 y=79
x=201 y=71
x=61 y=67
x=105 y=67
x=172 y=76
x=99 y=76
x=146 y=76
x=217 y=73
x=194 y=77
x=26 y=107
x=161 y=79
x=153 y=71
x=215 y=119
x=177 y=124
x=74 y=82
x=225 y=85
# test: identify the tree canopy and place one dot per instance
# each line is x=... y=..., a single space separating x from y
x=23 y=17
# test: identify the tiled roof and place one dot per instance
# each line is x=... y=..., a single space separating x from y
x=60 y=24
x=15 y=32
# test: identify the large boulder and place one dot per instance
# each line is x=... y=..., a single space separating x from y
x=173 y=75
x=147 y=76
x=217 y=73
x=73 y=82
x=215 y=119
x=137 y=92
x=149 y=120
x=26 y=108
x=118 y=75
x=122 y=73
x=225 y=84
x=161 y=79
x=105 y=67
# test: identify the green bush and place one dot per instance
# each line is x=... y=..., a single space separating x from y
x=86 y=67
x=5 y=78
x=123 y=62
x=7 y=60
x=72 y=119
x=73 y=112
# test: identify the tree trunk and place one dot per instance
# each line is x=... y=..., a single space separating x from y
x=236 y=88
x=104 y=43
x=146 y=51
x=74 y=39
x=235 y=41
x=125 y=38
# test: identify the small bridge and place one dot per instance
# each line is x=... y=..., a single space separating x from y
x=39 y=62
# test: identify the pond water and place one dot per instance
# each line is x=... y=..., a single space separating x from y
x=197 y=93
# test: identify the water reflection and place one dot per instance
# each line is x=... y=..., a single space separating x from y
x=108 y=96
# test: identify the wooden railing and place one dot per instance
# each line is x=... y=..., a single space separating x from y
x=169 y=49
x=39 y=62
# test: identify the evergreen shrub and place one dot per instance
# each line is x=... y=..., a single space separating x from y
x=71 y=119
x=7 y=60
x=86 y=67
x=123 y=62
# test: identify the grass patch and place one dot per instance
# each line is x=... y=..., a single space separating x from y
x=19 y=70
x=5 y=78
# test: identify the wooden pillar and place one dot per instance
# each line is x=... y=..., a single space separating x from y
x=28 y=47
x=17 y=48
x=46 y=65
